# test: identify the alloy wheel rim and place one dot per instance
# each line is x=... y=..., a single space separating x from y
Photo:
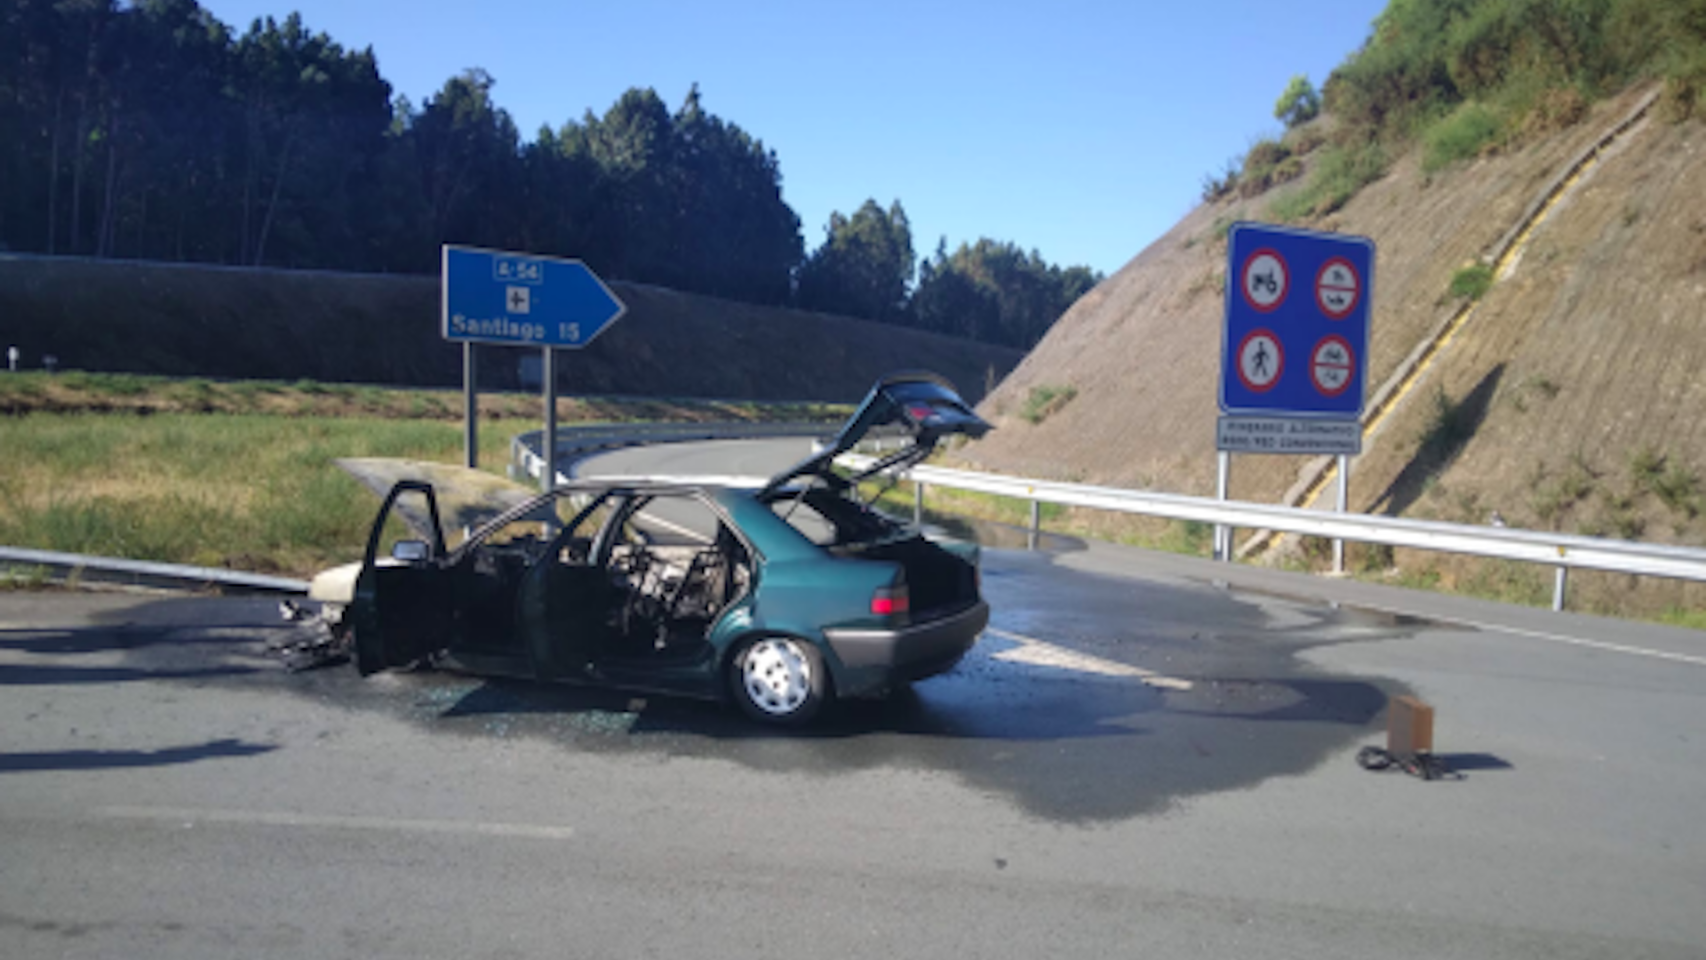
x=777 y=676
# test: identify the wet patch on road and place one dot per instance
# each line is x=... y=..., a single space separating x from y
x=1077 y=733
x=999 y=536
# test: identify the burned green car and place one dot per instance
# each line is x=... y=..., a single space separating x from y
x=779 y=597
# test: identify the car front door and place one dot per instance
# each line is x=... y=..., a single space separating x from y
x=402 y=608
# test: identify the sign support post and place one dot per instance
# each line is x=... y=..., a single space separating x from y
x=1344 y=499
x=471 y=410
x=548 y=475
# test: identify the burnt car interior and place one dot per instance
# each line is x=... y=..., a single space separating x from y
x=626 y=578
x=674 y=579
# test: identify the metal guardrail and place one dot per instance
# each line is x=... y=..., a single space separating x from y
x=1564 y=552
x=145 y=573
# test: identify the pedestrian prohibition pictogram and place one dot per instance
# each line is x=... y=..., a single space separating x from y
x=1260 y=361
x=1337 y=288
x=1295 y=353
x=1331 y=365
x=1264 y=279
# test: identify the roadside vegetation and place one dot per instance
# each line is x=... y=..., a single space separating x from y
x=1655 y=496
x=1464 y=78
x=253 y=492
x=1044 y=401
x=241 y=474
x=1472 y=282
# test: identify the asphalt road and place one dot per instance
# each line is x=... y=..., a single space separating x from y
x=1147 y=755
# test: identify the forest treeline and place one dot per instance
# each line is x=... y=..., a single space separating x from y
x=151 y=130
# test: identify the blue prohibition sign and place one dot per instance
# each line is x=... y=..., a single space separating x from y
x=1295 y=342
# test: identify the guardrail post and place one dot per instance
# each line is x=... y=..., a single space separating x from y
x=1034 y=533
x=548 y=478
x=1558 y=583
x=917 y=504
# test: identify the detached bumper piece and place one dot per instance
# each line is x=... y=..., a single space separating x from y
x=314 y=641
x=912 y=652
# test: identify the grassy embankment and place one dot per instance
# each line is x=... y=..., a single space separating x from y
x=241 y=474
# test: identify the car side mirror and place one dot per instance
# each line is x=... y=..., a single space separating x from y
x=411 y=551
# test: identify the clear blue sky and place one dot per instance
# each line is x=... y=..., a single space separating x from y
x=1081 y=129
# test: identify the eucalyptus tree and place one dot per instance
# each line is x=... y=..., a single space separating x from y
x=468 y=163
x=864 y=267
x=313 y=118
x=996 y=292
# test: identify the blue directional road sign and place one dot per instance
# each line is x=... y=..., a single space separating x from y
x=491 y=296
x=1297 y=308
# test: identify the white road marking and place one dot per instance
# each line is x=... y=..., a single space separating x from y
x=1602 y=645
x=189 y=816
x=1041 y=653
x=1544 y=635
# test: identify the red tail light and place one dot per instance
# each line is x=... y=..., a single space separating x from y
x=889 y=601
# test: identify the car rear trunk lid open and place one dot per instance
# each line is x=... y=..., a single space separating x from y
x=923 y=407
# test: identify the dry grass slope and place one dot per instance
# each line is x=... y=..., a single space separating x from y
x=1587 y=356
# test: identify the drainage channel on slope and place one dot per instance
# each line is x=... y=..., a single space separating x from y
x=1420 y=363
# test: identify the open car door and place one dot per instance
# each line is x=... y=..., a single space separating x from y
x=566 y=600
x=403 y=605
x=924 y=407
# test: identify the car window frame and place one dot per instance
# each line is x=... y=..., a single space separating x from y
x=478 y=537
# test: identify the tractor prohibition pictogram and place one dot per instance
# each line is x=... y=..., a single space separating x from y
x=1264 y=280
x=1338 y=289
x=1260 y=361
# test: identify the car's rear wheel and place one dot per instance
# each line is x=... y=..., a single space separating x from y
x=779 y=680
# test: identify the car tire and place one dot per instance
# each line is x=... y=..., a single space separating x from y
x=779 y=680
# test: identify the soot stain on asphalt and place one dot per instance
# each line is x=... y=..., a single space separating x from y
x=1062 y=742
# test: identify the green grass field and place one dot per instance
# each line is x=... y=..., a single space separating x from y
x=120 y=466
x=249 y=491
